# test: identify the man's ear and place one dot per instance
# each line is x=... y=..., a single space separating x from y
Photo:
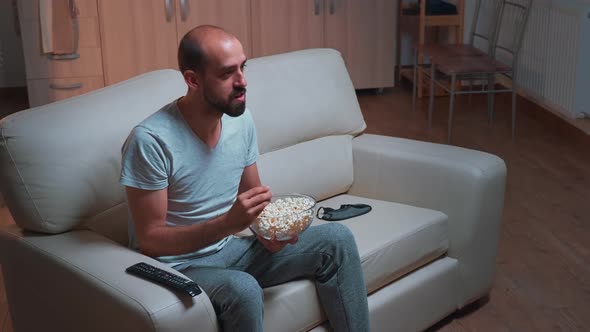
x=192 y=79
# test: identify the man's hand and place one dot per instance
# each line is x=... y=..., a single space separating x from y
x=273 y=245
x=247 y=207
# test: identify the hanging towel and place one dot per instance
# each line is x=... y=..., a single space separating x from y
x=46 y=23
x=58 y=20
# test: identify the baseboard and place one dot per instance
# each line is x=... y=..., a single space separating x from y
x=582 y=124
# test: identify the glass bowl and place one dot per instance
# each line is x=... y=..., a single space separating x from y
x=285 y=217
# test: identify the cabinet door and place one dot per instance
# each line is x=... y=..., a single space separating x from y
x=232 y=15
x=364 y=32
x=137 y=36
x=280 y=26
x=38 y=65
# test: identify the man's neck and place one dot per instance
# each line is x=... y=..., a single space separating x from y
x=204 y=122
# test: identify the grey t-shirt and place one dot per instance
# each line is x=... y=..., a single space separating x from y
x=163 y=152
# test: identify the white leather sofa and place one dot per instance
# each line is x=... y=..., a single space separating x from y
x=428 y=247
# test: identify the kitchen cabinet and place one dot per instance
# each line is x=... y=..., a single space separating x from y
x=52 y=76
x=143 y=35
x=119 y=39
x=364 y=31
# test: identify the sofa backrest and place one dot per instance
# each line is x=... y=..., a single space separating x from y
x=60 y=162
x=299 y=96
x=306 y=112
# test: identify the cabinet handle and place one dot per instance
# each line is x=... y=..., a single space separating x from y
x=72 y=86
x=332 y=7
x=316 y=7
x=169 y=10
x=74 y=55
x=184 y=9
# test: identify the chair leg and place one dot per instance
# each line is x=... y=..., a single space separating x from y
x=431 y=97
x=470 y=90
x=415 y=81
x=514 y=93
x=491 y=103
x=451 y=106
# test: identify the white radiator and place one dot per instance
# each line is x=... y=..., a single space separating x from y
x=554 y=63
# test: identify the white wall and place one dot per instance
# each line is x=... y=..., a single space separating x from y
x=12 y=63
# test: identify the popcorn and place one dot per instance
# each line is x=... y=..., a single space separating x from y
x=285 y=217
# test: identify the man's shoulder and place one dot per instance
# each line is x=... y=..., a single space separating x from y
x=248 y=121
x=244 y=120
x=162 y=123
x=156 y=128
x=162 y=117
x=248 y=115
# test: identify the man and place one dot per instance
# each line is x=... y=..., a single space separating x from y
x=191 y=182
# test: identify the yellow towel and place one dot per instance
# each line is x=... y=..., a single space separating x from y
x=57 y=26
x=46 y=23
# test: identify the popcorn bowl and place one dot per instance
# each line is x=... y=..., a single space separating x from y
x=285 y=217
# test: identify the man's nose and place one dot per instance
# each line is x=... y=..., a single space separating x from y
x=241 y=80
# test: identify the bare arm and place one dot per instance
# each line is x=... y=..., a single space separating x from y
x=250 y=179
x=155 y=238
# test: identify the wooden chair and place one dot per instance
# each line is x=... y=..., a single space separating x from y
x=482 y=34
x=447 y=70
x=420 y=20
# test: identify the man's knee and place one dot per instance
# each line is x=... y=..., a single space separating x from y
x=340 y=236
x=341 y=232
x=244 y=290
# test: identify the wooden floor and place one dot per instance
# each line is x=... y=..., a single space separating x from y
x=543 y=267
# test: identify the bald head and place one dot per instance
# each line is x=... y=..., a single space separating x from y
x=196 y=45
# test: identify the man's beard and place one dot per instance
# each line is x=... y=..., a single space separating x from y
x=230 y=107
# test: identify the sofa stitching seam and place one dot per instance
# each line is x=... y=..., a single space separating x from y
x=177 y=302
x=212 y=319
x=20 y=176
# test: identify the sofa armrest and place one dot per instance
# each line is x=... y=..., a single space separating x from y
x=76 y=281
x=467 y=185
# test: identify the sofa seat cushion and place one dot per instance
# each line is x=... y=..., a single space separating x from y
x=393 y=240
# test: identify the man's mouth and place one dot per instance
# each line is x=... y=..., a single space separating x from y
x=241 y=95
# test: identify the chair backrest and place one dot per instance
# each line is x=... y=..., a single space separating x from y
x=484 y=25
x=511 y=26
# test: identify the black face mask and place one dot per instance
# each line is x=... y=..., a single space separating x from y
x=346 y=211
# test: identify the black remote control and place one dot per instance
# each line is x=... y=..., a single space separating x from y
x=164 y=277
